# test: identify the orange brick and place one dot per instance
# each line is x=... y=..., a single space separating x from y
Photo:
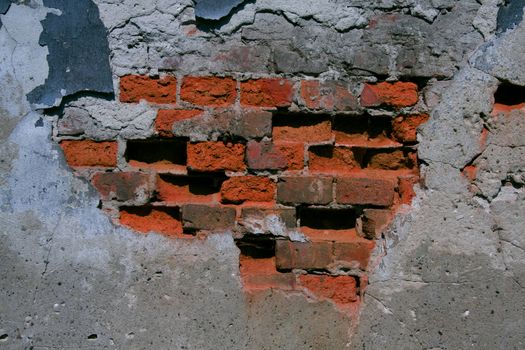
x=88 y=153
x=329 y=159
x=248 y=188
x=302 y=130
x=216 y=156
x=404 y=128
x=134 y=88
x=397 y=94
x=273 y=92
x=157 y=219
x=166 y=118
x=187 y=189
x=209 y=91
x=340 y=289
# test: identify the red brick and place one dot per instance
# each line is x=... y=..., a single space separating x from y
x=355 y=253
x=187 y=189
x=339 y=289
x=216 y=156
x=239 y=189
x=210 y=218
x=87 y=153
x=373 y=222
x=329 y=96
x=364 y=191
x=134 y=88
x=303 y=255
x=166 y=118
x=307 y=190
x=266 y=155
x=307 y=130
x=397 y=94
x=123 y=186
x=330 y=159
x=274 y=92
x=404 y=128
x=391 y=159
x=261 y=273
x=209 y=91
x=406 y=188
x=158 y=219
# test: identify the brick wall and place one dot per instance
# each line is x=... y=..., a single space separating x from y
x=306 y=173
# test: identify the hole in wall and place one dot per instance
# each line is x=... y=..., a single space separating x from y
x=156 y=153
x=327 y=219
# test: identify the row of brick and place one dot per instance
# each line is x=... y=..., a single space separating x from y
x=261 y=274
x=288 y=190
x=177 y=155
x=265 y=92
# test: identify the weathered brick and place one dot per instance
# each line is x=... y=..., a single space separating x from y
x=261 y=273
x=329 y=96
x=134 y=88
x=340 y=289
x=405 y=127
x=262 y=220
x=330 y=159
x=216 y=156
x=167 y=117
x=247 y=123
x=307 y=190
x=266 y=155
x=364 y=191
x=123 y=186
x=239 y=189
x=88 y=153
x=355 y=253
x=392 y=159
x=74 y=121
x=397 y=94
x=301 y=129
x=406 y=188
x=303 y=255
x=165 y=220
x=210 y=218
x=373 y=222
x=273 y=92
x=188 y=189
x=209 y=91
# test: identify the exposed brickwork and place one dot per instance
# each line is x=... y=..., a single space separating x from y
x=306 y=194
x=209 y=91
x=248 y=188
x=87 y=153
x=266 y=93
x=398 y=94
x=134 y=88
x=167 y=117
x=216 y=156
x=327 y=96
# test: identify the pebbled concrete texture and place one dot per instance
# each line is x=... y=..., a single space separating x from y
x=452 y=270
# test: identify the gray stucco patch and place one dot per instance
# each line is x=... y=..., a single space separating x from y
x=78 y=52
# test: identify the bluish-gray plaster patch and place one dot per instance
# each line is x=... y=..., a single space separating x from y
x=215 y=9
x=78 y=52
x=4 y=6
x=510 y=15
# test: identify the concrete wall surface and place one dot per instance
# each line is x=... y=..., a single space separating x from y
x=447 y=273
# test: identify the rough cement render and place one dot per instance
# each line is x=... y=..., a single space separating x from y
x=452 y=274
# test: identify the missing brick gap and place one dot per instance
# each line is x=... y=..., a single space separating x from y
x=256 y=246
x=327 y=219
x=158 y=154
x=508 y=97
